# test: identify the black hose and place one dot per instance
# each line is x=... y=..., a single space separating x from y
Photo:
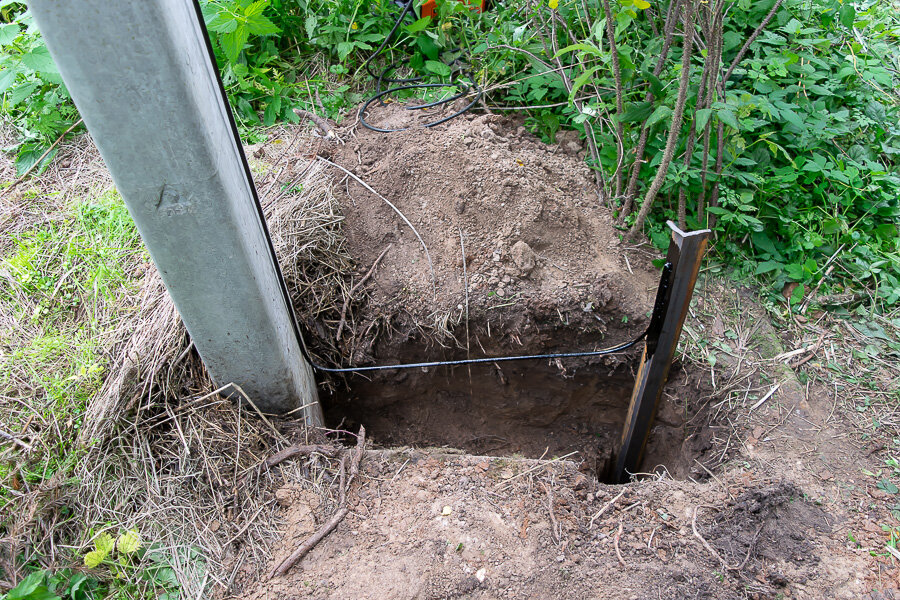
x=410 y=83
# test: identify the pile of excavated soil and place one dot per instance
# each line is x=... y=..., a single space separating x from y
x=525 y=260
x=540 y=250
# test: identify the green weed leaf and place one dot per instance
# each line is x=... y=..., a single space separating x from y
x=701 y=118
x=39 y=59
x=129 y=542
x=419 y=25
x=582 y=47
x=8 y=33
x=661 y=112
x=27 y=586
x=29 y=154
x=104 y=544
x=637 y=112
x=581 y=80
x=310 y=25
x=726 y=115
x=94 y=559
x=232 y=43
x=887 y=486
x=438 y=68
x=7 y=77
x=847 y=14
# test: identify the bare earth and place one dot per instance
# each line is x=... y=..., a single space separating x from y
x=737 y=503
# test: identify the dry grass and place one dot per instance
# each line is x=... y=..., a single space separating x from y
x=757 y=357
x=157 y=451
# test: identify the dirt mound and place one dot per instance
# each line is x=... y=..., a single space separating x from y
x=539 y=247
x=429 y=525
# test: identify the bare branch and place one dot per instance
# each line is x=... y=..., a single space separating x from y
x=677 y=118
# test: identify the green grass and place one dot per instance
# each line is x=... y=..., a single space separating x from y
x=64 y=285
x=65 y=281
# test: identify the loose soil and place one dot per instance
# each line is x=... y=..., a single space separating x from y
x=733 y=510
x=542 y=272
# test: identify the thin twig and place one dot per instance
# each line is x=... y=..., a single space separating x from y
x=309 y=544
x=764 y=398
x=396 y=210
x=42 y=157
x=462 y=248
x=677 y=118
x=604 y=509
x=616 y=544
x=702 y=539
x=555 y=530
x=322 y=124
x=14 y=440
x=298 y=450
x=750 y=40
x=357 y=454
x=252 y=404
x=535 y=468
x=620 y=109
x=246 y=526
x=342 y=511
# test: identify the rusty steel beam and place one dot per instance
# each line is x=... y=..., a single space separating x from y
x=672 y=300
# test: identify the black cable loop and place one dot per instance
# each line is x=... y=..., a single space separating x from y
x=474 y=361
x=410 y=81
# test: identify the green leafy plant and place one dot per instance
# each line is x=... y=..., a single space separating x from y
x=32 y=97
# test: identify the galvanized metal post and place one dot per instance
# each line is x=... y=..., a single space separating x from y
x=143 y=78
x=674 y=296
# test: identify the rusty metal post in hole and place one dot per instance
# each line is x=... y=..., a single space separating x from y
x=672 y=300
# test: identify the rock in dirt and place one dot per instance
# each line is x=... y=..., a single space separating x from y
x=524 y=258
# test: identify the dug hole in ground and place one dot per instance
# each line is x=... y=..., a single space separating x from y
x=484 y=481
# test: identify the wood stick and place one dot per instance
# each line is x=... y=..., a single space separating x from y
x=42 y=157
x=322 y=532
x=14 y=440
x=604 y=509
x=555 y=531
x=358 y=452
x=321 y=123
x=616 y=544
x=298 y=450
x=309 y=544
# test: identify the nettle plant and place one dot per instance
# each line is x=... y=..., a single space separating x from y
x=33 y=99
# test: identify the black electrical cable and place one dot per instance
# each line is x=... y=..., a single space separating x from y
x=474 y=361
x=410 y=83
x=282 y=284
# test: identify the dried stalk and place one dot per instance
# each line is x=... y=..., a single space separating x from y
x=677 y=117
x=620 y=108
x=714 y=44
x=750 y=40
x=707 y=82
x=631 y=189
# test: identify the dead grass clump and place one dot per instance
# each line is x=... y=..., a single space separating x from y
x=157 y=450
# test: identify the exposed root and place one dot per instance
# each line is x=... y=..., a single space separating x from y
x=332 y=523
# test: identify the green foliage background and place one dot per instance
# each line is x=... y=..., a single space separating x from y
x=809 y=116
